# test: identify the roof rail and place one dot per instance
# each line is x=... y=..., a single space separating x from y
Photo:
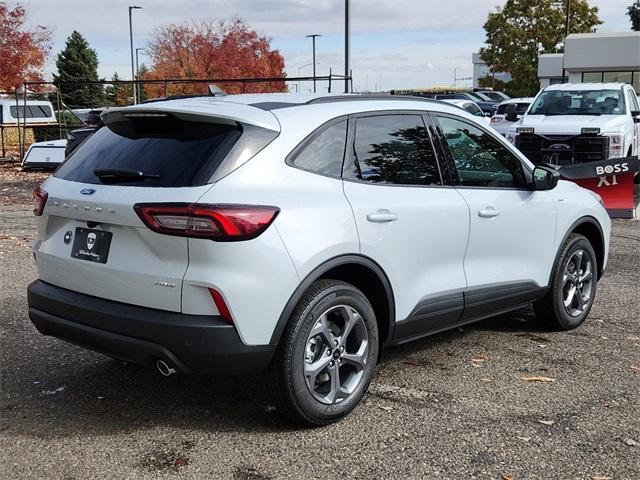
x=355 y=98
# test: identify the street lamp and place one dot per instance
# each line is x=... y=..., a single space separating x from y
x=300 y=68
x=347 y=44
x=313 y=39
x=138 y=87
x=133 y=74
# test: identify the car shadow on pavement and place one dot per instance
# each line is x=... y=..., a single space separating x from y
x=88 y=394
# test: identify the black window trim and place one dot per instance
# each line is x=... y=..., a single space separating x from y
x=528 y=172
x=300 y=147
x=445 y=181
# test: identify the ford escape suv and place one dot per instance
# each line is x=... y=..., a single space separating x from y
x=300 y=235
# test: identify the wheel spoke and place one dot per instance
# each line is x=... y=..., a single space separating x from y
x=351 y=320
x=586 y=275
x=358 y=359
x=580 y=299
x=336 y=393
x=322 y=328
x=568 y=300
x=312 y=370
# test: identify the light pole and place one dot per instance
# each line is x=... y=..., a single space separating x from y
x=347 y=44
x=300 y=68
x=313 y=40
x=138 y=87
x=133 y=73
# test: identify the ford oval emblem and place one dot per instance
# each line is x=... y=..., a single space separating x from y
x=87 y=191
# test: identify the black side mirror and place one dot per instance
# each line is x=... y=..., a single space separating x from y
x=545 y=178
x=510 y=114
x=635 y=114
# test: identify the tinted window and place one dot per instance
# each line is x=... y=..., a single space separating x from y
x=481 y=161
x=180 y=153
x=473 y=109
x=324 y=153
x=394 y=149
x=32 y=111
x=579 y=102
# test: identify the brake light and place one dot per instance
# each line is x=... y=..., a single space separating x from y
x=222 y=223
x=39 y=200
x=221 y=305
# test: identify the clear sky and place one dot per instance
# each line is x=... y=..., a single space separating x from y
x=395 y=43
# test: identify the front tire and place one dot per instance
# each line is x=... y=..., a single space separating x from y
x=573 y=286
x=327 y=355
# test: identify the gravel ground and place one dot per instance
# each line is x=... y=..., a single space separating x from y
x=451 y=406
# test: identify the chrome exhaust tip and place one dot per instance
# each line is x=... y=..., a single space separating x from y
x=164 y=369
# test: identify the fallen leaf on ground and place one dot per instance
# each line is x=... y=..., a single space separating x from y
x=548 y=423
x=478 y=360
x=524 y=439
x=631 y=442
x=507 y=476
x=537 y=379
x=386 y=408
x=411 y=363
x=635 y=367
x=601 y=477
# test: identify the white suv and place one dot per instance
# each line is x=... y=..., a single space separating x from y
x=301 y=235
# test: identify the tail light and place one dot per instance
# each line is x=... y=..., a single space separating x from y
x=39 y=201
x=222 y=223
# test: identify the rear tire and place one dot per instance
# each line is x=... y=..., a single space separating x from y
x=327 y=354
x=573 y=286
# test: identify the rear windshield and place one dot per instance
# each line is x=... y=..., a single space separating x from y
x=521 y=108
x=173 y=152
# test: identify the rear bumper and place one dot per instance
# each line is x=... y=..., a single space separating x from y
x=189 y=343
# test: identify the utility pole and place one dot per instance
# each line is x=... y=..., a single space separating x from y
x=138 y=87
x=313 y=39
x=347 y=44
x=133 y=73
x=567 y=31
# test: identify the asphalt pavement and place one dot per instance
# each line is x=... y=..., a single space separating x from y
x=458 y=405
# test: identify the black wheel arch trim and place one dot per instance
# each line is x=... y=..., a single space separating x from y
x=318 y=272
x=581 y=221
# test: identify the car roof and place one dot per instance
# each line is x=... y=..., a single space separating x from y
x=263 y=110
x=585 y=86
x=517 y=100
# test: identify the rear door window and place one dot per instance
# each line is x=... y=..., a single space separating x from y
x=176 y=153
x=393 y=149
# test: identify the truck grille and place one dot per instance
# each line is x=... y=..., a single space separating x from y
x=563 y=149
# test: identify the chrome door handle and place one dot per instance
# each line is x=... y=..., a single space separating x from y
x=382 y=216
x=488 y=212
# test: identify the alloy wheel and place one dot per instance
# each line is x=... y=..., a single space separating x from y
x=577 y=283
x=336 y=354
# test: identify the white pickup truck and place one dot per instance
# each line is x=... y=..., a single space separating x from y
x=581 y=122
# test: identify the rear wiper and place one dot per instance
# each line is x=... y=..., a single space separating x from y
x=115 y=175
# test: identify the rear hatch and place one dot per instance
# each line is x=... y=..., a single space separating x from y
x=90 y=238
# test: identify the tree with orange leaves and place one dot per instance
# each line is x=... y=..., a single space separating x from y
x=212 y=49
x=22 y=52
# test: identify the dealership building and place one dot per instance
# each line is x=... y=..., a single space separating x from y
x=594 y=57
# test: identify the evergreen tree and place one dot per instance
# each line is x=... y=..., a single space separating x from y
x=78 y=62
x=118 y=94
x=633 y=11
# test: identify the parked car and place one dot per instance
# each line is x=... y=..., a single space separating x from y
x=471 y=107
x=486 y=106
x=509 y=112
x=92 y=121
x=494 y=95
x=581 y=122
x=302 y=235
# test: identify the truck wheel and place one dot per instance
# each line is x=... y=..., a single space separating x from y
x=573 y=286
x=327 y=354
